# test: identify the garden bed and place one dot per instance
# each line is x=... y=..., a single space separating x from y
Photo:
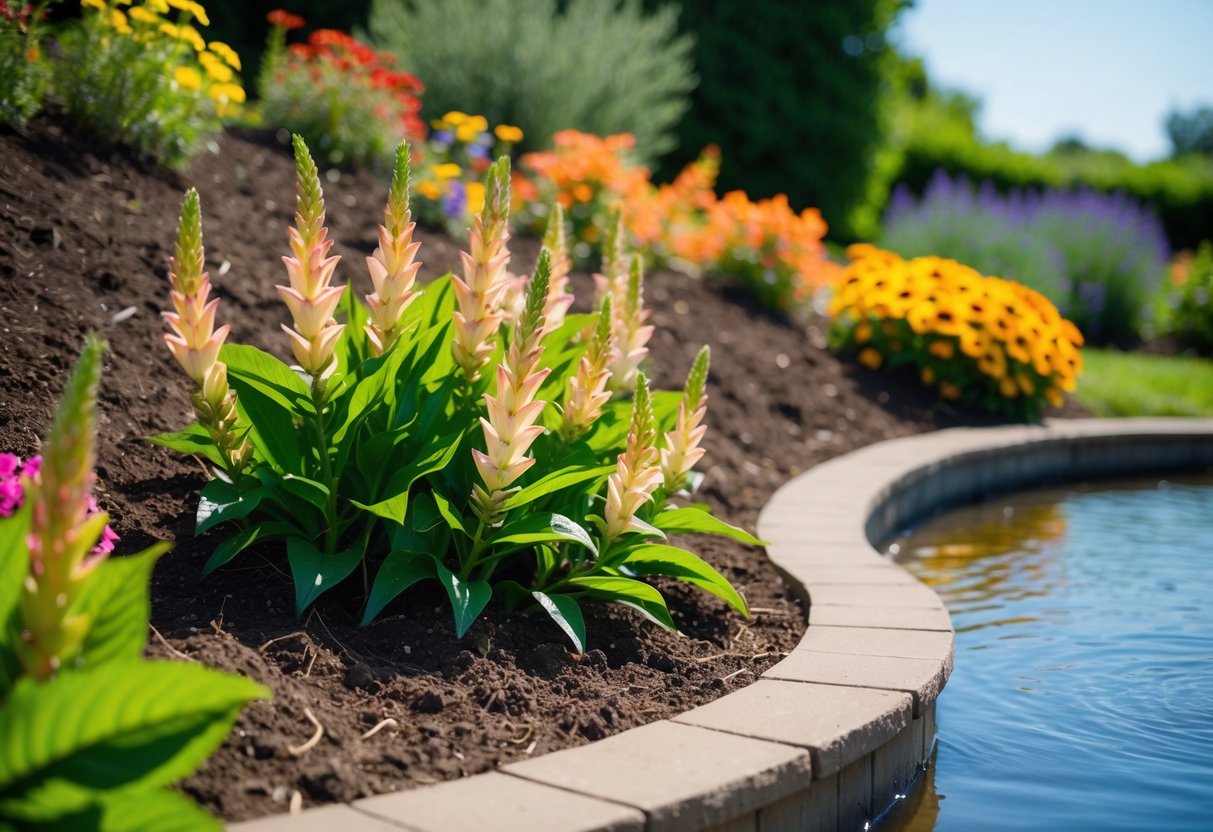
x=85 y=234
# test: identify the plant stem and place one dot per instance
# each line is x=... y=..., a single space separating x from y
x=326 y=466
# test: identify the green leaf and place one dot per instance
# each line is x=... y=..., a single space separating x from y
x=631 y=593
x=468 y=598
x=221 y=501
x=108 y=728
x=659 y=559
x=315 y=572
x=557 y=480
x=14 y=566
x=242 y=539
x=453 y=521
x=161 y=809
x=193 y=439
x=433 y=457
x=543 y=527
x=249 y=367
x=316 y=493
x=400 y=570
x=424 y=530
x=275 y=434
x=566 y=612
x=694 y=519
x=116 y=601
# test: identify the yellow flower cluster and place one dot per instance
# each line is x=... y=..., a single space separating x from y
x=208 y=67
x=994 y=342
x=454 y=158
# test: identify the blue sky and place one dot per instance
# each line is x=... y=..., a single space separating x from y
x=1106 y=70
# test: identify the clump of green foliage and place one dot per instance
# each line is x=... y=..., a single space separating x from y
x=600 y=66
x=24 y=70
x=1189 y=300
x=93 y=733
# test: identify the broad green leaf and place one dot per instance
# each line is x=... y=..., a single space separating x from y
x=192 y=439
x=116 y=601
x=555 y=481
x=368 y=391
x=316 y=572
x=316 y=493
x=164 y=810
x=250 y=367
x=116 y=726
x=352 y=346
x=221 y=501
x=659 y=559
x=424 y=530
x=468 y=598
x=242 y=539
x=433 y=457
x=448 y=513
x=276 y=435
x=375 y=450
x=632 y=593
x=566 y=612
x=400 y=570
x=691 y=519
x=14 y=566
x=543 y=527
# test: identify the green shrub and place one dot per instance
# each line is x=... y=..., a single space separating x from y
x=1189 y=311
x=24 y=70
x=591 y=65
x=792 y=95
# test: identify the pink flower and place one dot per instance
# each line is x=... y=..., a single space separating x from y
x=12 y=495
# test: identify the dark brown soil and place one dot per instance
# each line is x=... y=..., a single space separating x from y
x=85 y=233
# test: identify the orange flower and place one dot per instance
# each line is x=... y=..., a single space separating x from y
x=283 y=18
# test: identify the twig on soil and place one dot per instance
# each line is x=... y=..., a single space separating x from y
x=530 y=748
x=526 y=735
x=735 y=673
x=296 y=805
x=169 y=647
x=295 y=634
x=383 y=723
x=300 y=750
x=493 y=697
x=315 y=655
x=760 y=656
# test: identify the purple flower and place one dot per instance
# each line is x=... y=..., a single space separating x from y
x=477 y=151
x=455 y=200
x=442 y=137
x=12 y=494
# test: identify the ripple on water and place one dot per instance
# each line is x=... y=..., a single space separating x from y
x=1083 y=691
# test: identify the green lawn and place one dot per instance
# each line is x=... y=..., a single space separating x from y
x=1126 y=384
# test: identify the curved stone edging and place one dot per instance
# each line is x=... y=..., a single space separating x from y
x=827 y=737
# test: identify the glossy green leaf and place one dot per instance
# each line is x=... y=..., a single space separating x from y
x=116 y=601
x=632 y=593
x=249 y=367
x=14 y=566
x=542 y=527
x=315 y=572
x=556 y=481
x=400 y=570
x=108 y=728
x=316 y=493
x=468 y=598
x=696 y=520
x=447 y=511
x=242 y=539
x=659 y=559
x=433 y=457
x=566 y=612
x=276 y=434
x=192 y=439
x=221 y=501
x=162 y=810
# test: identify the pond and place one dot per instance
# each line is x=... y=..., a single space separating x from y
x=1083 y=691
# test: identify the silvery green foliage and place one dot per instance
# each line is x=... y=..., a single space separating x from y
x=598 y=66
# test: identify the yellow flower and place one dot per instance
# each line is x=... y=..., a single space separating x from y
x=454 y=118
x=870 y=358
x=190 y=35
x=475 y=197
x=227 y=53
x=192 y=8
x=118 y=20
x=169 y=29
x=224 y=93
x=949 y=391
x=187 y=77
x=863 y=333
x=973 y=342
x=1055 y=396
x=942 y=349
x=993 y=363
x=1008 y=388
x=94 y=4
x=142 y=15
x=429 y=189
x=508 y=133
x=466 y=132
x=1025 y=383
x=157 y=6
x=215 y=68
x=447 y=170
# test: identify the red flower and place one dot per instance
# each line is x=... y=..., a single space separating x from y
x=283 y=18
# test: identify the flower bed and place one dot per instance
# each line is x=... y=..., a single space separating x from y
x=85 y=246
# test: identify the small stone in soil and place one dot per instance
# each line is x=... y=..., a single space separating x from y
x=428 y=702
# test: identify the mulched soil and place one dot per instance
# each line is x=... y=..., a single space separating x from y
x=85 y=234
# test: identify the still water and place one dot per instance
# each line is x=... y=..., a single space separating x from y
x=1083 y=691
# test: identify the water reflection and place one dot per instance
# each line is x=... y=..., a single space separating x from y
x=1083 y=687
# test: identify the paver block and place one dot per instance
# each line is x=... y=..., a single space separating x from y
x=681 y=776
x=321 y=819
x=836 y=724
x=794 y=555
x=892 y=618
x=894 y=767
x=875 y=595
x=500 y=803
x=745 y=823
x=921 y=678
x=880 y=574
x=928 y=730
x=813 y=810
x=872 y=641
